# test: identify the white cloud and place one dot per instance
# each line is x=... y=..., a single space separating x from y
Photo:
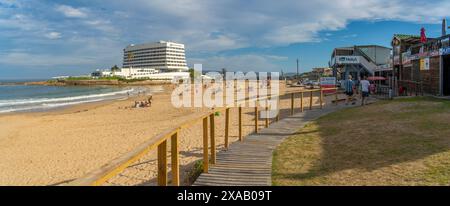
x=53 y=35
x=246 y=62
x=206 y=27
x=102 y=25
x=72 y=12
x=20 y=21
x=266 y=22
x=41 y=60
x=207 y=43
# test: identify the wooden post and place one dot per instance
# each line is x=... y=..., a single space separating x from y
x=227 y=126
x=267 y=115
x=336 y=97
x=213 y=138
x=175 y=160
x=162 y=164
x=421 y=88
x=256 y=119
x=321 y=98
x=277 y=118
x=310 y=100
x=205 y=145
x=415 y=88
x=301 y=101
x=240 y=124
x=292 y=103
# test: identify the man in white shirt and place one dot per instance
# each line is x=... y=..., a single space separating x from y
x=365 y=84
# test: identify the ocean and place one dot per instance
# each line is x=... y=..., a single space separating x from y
x=26 y=98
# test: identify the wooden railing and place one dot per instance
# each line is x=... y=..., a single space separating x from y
x=106 y=172
x=411 y=88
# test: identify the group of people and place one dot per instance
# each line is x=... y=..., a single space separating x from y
x=142 y=104
x=351 y=88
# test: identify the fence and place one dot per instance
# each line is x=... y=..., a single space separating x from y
x=160 y=142
x=383 y=91
x=410 y=88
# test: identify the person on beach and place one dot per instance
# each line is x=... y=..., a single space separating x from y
x=349 y=89
x=365 y=84
x=357 y=85
x=372 y=88
x=150 y=101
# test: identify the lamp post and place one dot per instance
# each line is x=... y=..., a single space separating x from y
x=130 y=57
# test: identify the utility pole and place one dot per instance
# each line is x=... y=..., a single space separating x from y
x=297 y=69
x=444 y=27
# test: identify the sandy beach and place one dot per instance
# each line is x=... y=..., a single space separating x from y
x=53 y=148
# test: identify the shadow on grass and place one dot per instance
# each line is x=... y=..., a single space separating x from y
x=368 y=139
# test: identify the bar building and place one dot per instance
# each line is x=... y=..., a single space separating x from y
x=423 y=67
x=358 y=61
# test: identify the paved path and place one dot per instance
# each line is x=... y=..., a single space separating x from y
x=249 y=163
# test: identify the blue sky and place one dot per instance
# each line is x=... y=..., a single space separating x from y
x=41 y=39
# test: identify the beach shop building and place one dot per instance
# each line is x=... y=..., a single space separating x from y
x=422 y=67
x=359 y=61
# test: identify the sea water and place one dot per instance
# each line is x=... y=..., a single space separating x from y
x=24 y=98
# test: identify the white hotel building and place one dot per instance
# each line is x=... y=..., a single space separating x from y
x=160 y=60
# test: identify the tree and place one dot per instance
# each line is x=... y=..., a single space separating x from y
x=193 y=74
x=115 y=68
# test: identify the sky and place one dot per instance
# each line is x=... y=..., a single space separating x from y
x=41 y=39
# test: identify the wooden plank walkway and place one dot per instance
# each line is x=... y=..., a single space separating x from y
x=249 y=163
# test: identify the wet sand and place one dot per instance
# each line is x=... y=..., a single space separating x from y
x=56 y=147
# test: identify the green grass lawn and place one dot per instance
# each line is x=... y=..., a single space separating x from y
x=400 y=142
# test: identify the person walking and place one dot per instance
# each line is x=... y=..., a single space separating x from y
x=365 y=84
x=349 y=89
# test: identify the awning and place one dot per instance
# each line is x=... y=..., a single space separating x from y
x=376 y=78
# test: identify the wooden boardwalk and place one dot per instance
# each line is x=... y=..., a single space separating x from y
x=249 y=163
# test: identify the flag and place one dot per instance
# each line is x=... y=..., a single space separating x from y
x=423 y=37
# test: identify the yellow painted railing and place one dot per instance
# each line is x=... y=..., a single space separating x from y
x=106 y=172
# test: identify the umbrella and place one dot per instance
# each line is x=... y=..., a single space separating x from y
x=376 y=78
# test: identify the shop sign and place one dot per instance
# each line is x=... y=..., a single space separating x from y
x=422 y=54
x=328 y=81
x=444 y=51
x=425 y=64
x=396 y=60
x=347 y=60
x=434 y=53
x=406 y=58
x=414 y=57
